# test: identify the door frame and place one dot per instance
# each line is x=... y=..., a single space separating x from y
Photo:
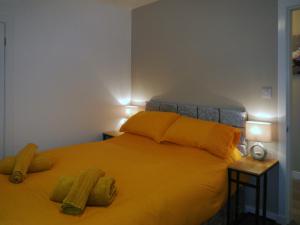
x=285 y=8
x=3 y=129
x=7 y=18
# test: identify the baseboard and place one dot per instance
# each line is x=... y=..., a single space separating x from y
x=296 y=175
x=282 y=220
x=270 y=215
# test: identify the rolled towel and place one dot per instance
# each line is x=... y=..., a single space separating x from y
x=75 y=201
x=102 y=194
x=39 y=163
x=23 y=161
x=62 y=188
x=7 y=165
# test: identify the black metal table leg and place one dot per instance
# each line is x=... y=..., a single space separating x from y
x=265 y=198
x=237 y=195
x=229 y=197
x=257 y=199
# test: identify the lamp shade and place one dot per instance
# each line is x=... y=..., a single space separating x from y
x=259 y=131
x=130 y=110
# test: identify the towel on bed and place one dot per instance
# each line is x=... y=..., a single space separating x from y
x=102 y=194
x=39 y=163
x=75 y=201
x=23 y=161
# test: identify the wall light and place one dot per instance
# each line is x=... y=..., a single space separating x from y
x=263 y=116
x=124 y=101
x=121 y=122
x=130 y=110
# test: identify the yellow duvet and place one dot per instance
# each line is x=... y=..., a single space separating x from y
x=159 y=184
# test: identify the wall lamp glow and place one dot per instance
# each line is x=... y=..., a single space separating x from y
x=130 y=110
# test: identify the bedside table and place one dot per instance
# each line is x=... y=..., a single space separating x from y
x=110 y=134
x=254 y=168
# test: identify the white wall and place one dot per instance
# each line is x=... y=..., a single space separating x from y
x=69 y=64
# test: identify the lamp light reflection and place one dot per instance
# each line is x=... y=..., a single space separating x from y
x=130 y=110
x=124 y=101
x=263 y=116
x=121 y=122
x=258 y=131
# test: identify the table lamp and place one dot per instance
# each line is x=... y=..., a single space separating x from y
x=258 y=132
x=130 y=110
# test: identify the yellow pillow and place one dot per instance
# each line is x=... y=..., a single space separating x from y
x=233 y=155
x=218 y=139
x=150 y=124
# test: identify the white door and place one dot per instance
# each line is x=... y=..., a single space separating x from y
x=2 y=87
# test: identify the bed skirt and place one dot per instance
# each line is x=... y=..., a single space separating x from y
x=221 y=217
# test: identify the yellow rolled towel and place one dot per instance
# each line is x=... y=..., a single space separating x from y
x=23 y=161
x=62 y=189
x=102 y=194
x=75 y=201
x=39 y=163
x=7 y=165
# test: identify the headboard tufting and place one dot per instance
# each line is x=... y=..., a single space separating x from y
x=234 y=117
x=208 y=113
x=152 y=106
x=188 y=110
x=168 y=107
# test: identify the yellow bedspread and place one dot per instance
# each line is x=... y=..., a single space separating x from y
x=159 y=184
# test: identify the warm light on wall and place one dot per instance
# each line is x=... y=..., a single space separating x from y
x=130 y=110
x=263 y=116
x=124 y=101
x=139 y=102
x=121 y=122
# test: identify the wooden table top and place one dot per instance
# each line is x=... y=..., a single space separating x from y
x=252 y=166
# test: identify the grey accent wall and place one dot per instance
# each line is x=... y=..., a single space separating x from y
x=208 y=52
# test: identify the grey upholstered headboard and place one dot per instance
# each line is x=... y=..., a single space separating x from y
x=233 y=117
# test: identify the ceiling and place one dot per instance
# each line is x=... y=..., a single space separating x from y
x=131 y=3
x=125 y=3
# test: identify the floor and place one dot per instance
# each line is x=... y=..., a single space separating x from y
x=296 y=202
x=249 y=219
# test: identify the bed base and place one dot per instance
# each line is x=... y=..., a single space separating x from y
x=220 y=218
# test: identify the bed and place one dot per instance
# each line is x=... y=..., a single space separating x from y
x=159 y=184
